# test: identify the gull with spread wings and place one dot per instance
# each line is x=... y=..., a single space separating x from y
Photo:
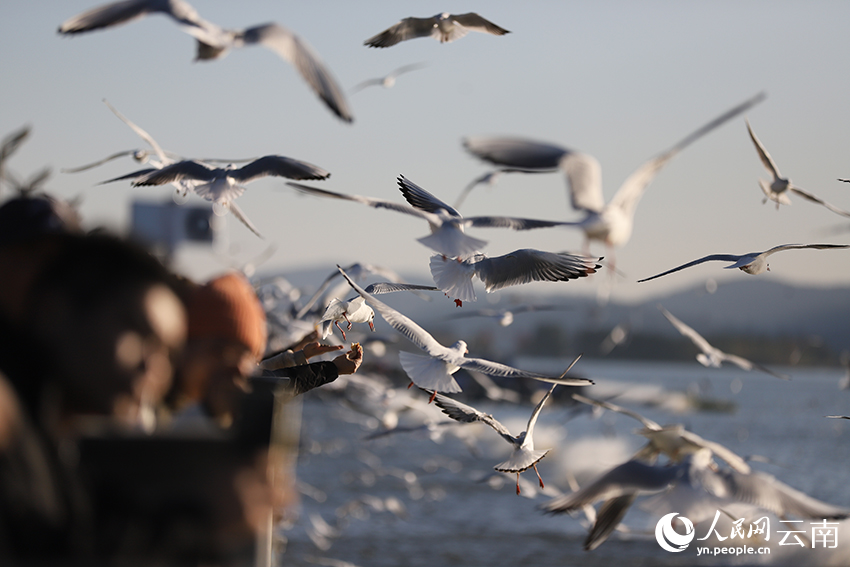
x=159 y=159
x=609 y=222
x=447 y=225
x=214 y=42
x=434 y=370
x=753 y=263
x=355 y=310
x=388 y=80
x=712 y=356
x=778 y=188
x=454 y=275
x=443 y=27
x=524 y=455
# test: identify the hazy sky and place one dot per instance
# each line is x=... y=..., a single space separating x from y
x=621 y=81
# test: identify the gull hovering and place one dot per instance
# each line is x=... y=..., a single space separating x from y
x=160 y=158
x=447 y=225
x=214 y=42
x=505 y=317
x=777 y=189
x=696 y=476
x=454 y=276
x=753 y=263
x=224 y=184
x=674 y=441
x=712 y=356
x=357 y=271
x=524 y=455
x=434 y=371
x=355 y=310
x=609 y=222
x=444 y=27
x=387 y=81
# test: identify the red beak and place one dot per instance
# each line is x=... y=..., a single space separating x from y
x=372 y=326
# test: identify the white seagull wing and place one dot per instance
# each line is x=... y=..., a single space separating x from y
x=631 y=191
x=404 y=325
x=766 y=160
x=299 y=53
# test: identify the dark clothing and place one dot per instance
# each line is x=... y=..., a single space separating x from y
x=303 y=378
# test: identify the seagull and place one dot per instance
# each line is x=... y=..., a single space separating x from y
x=215 y=42
x=447 y=225
x=357 y=271
x=609 y=222
x=160 y=158
x=444 y=27
x=355 y=309
x=696 y=475
x=674 y=441
x=224 y=184
x=753 y=263
x=387 y=81
x=524 y=455
x=434 y=371
x=712 y=356
x=777 y=189
x=505 y=317
x=454 y=276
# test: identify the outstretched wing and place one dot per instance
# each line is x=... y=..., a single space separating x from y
x=709 y=258
x=527 y=265
x=279 y=166
x=299 y=53
x=459 y=411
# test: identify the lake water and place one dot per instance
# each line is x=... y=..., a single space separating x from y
x=407 y=499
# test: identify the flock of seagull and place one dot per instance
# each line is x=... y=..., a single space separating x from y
x=457 y=260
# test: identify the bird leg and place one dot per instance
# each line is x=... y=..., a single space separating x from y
x=433 y=397
x=538 y=475
x=458 y=303
x=345 y=315
x=340 y=329
x=517 y=484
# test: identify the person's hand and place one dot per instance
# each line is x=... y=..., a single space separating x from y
x=315 y=349
x=349 y=362
x=310 y=337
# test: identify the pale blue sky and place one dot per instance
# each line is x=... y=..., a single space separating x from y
x=619 y=80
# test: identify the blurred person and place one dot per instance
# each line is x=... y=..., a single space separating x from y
x=97 y=325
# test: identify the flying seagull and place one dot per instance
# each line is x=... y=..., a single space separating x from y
x=434 y=370
x=753 y=263
x=355 y=310
x=454 y=276
x=674 y=441
x=224 y=184
x=357 y=271
x=712 y=356
x=388 y=80
x=160 y=158
x=444 y=27
x=524 y=455
x=609 y=222
x=447 y=225
x=778 y=187
x=215 y=42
